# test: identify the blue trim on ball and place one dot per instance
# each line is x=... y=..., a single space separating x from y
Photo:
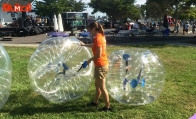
x=126 y=56
x=133 y=83
x=143 y=82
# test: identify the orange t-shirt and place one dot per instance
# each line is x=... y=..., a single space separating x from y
x=99 y=41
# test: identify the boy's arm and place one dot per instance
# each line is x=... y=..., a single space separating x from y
x=87 y=45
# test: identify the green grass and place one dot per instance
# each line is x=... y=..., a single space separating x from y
x=177 y=100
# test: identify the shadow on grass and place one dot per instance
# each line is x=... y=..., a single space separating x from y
x=29 y=109
x=156 y=41
x=38 y=42
x=69 y=107
x=147 y=45
x=191 y=42
x=33 y=103
x=155 y=38
x=158 y=46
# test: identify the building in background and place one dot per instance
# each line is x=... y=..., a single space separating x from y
x=9 y=17
x=75 y=20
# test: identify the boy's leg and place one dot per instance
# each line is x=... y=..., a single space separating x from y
x=100 y=84
x=97 y=94
x=97 y=90
x=104 y=93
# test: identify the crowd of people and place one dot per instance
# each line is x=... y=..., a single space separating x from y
x=30 y=21
x=153 y=26
x=186 y=27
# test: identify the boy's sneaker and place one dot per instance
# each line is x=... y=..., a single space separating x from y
x=105 y=109
x=92 y=104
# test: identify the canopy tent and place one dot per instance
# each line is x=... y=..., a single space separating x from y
x=60 y=23
x=55 y=24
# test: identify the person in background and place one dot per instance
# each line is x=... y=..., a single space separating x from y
x=154 y=25
x=184 y=28
x=131 y=26
x=45 y=21
x=187 y=27
x=193 y=28
x=177 y=27
x=128 y=26
x=135 y=26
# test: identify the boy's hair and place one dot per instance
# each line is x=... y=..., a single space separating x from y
x=98 y=27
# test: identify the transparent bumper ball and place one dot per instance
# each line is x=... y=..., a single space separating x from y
x=5 y=76
x=136 y=76
x=58 y=69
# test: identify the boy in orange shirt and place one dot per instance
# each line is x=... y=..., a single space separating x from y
x=101 y=64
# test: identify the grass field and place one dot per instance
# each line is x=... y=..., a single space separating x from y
x=177 y=100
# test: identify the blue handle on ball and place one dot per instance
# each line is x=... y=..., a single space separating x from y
x=133 y=83
x=84 y=65
x=126 y=56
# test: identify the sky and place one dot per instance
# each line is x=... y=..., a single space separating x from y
x=89 y=10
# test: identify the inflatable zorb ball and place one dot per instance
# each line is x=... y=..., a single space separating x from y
x=135 y=76
x=5 y=76
x=58 y=69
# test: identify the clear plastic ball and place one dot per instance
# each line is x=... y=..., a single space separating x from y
x=5 y=76
x=136 y=76
x=53 y=69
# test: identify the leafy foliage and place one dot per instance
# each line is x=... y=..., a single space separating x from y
x=175 y=8
x=51 y=7
x=116 y=9
x=189 y=14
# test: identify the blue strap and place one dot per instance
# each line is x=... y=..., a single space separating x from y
x=125 y=81
x=143 y=82
x=65 y=66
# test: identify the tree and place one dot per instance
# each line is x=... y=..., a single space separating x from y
x=154 y=10
x=143 y=11
x=179 y=7
x=51 y=7
x=189 y=14
x=116 y=9
x=77 y=6
x=190 y=2
x=157 y=8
